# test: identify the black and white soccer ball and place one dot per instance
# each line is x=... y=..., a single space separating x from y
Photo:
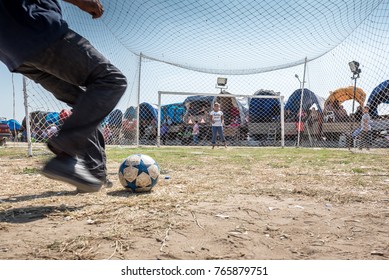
x=139 y=173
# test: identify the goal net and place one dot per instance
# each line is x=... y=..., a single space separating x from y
x=298 y=49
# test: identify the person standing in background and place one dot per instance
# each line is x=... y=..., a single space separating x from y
x=196 y=132
x=365 y=129
x=217 y=121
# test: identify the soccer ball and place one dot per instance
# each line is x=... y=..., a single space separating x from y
x=139 y=173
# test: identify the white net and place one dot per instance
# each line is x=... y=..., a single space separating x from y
x=234 y=37
x=259 y=46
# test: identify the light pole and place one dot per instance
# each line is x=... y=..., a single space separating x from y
x=301 y=100
x=300 y=109
x=354 y=67
x=221 y=83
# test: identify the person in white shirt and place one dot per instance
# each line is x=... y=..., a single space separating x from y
x=217 y=120
x=365 y=129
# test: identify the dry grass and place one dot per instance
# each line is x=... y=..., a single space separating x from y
x=213 y=199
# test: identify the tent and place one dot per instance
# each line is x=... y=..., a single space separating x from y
x=380 y=94
x=37 y=120
x=52 y=118
x=264 y=109
x=232 y=108
x=342 y=94
x=175 y=112
x=194 y=104
x=148 y=111
x=202 y=105
x=130 y=113
x=309 y=99
x=115 y=118
x=13 y=124
x=148 y=118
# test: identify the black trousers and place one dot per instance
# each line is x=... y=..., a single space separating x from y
x=77 y=74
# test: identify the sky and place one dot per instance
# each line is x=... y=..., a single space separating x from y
x=7 y=93
x=224 y=38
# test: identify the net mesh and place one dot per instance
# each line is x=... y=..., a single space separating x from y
x=184 y=46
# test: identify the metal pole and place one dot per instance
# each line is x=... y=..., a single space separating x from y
x=13 y=95
x=15 y=135
x=28 y=127
x=138 y=100
x=159 y=121
x=355 y=91
x=301 y=102
x=350 y=143
x=282 y=122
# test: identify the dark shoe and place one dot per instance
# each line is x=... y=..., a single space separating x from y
x=70 y=170
x=107 y=183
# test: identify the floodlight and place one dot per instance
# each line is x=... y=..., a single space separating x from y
x=298 y=78
x=354 y=67
x=221 y=82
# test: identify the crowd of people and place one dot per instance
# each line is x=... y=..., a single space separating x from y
x=41 y=129
x=334 y=112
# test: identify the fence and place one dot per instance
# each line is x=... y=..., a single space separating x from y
x=306 y=61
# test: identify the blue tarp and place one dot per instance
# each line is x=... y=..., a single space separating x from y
x=115 y=118
x=148 y=111
x=130 y=113
x=175 y=112
x=52 y=118
x=13 y=124
x=380 y=94
x=309 y=99
x=264 y=109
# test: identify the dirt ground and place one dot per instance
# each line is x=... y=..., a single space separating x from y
x=269 y=211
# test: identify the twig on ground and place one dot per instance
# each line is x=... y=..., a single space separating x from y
x=165 y=238
x=197 y=222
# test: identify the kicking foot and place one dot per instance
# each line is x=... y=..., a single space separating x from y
x=107 y=183
x=70 y=170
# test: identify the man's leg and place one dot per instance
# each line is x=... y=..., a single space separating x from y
x=221 y=132
x=79 y=75
x=95 y=157
x=369 y=139
x=363 y=139
x=214 y=136
x=88 y=77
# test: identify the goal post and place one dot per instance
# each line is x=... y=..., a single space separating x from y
x=245 y=121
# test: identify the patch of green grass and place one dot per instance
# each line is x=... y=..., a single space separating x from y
x=333 y=159
x=251 y=158
x=12 y=152
x=278 y=165
x=358 y=170
x=29 y=171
